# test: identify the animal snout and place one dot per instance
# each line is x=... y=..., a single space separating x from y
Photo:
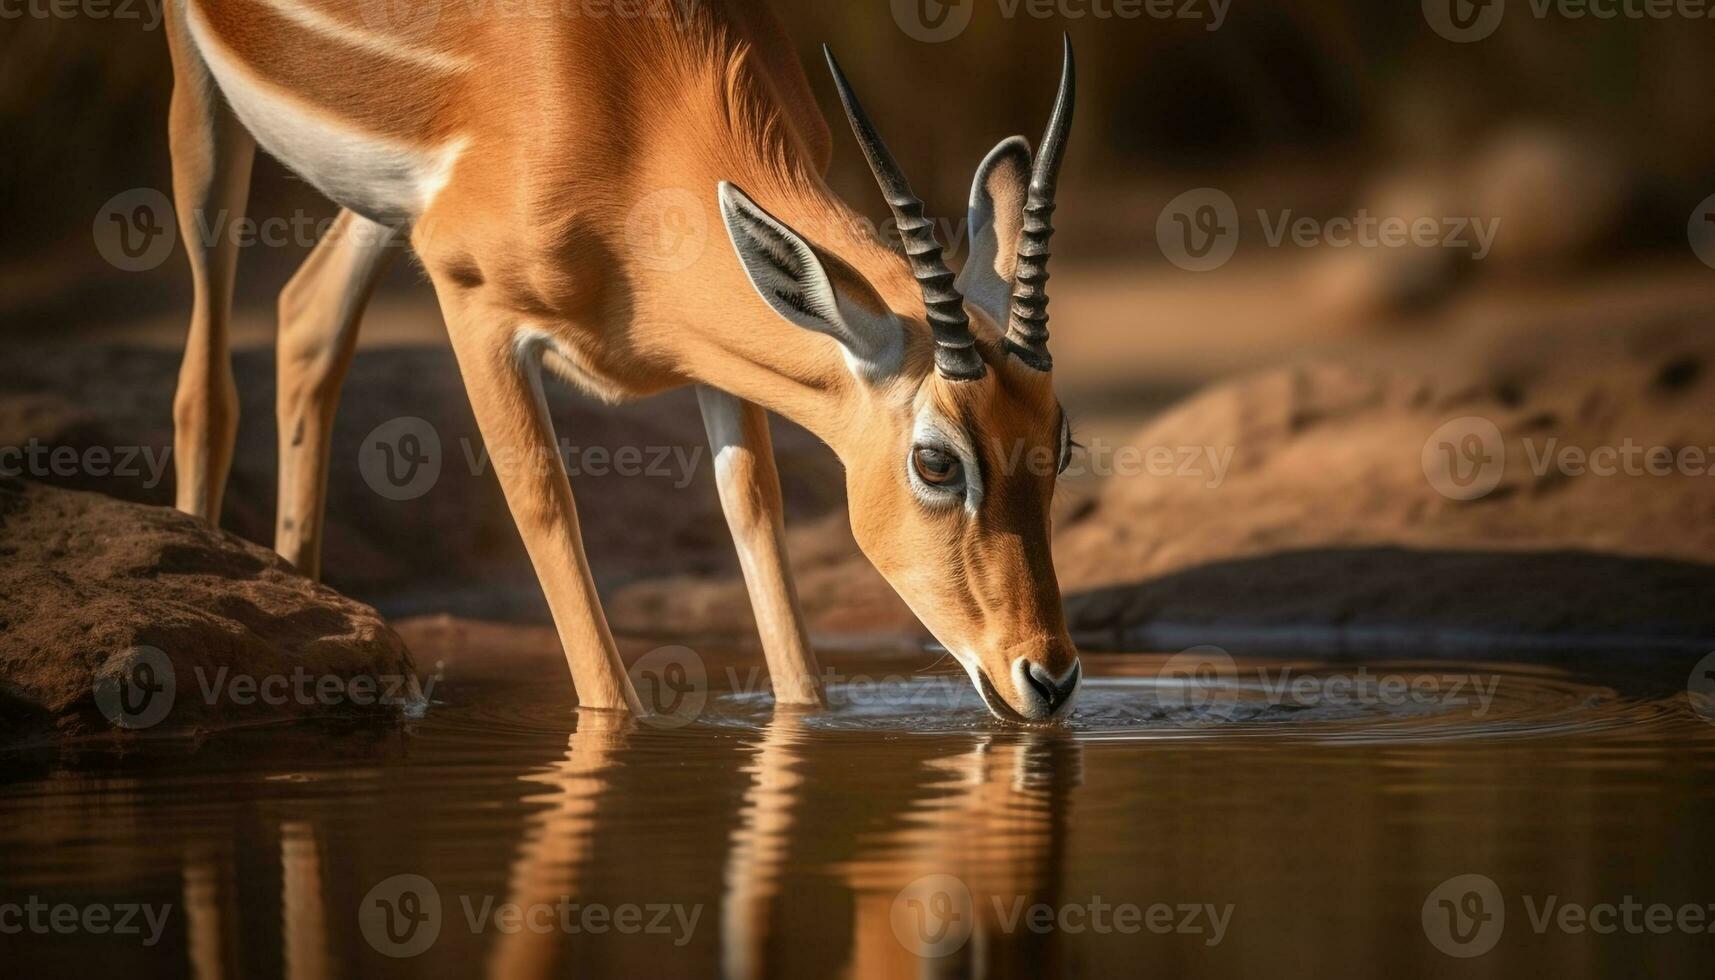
x=1041 y=694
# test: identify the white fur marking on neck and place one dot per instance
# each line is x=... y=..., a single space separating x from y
x=311 y=19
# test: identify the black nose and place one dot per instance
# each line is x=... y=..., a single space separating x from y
x=1053 y=693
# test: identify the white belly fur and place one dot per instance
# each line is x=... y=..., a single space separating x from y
x=380 y=179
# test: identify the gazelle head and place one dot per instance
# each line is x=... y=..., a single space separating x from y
x=955 y=437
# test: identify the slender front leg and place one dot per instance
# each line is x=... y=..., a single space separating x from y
x=750 y=495
x=319 y=313
x=504 y=381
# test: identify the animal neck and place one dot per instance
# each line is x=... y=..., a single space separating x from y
x=730 y=124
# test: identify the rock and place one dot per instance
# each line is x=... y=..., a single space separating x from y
x=119 y=615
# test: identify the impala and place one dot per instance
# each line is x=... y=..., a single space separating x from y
x=511 y=150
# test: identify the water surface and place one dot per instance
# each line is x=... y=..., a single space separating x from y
x=1269 y=817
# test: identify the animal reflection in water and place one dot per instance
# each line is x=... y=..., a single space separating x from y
x=210 y=887
x=987 y=816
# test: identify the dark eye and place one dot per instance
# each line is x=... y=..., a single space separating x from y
x=937 y=467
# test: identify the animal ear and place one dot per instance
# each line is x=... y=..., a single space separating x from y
x=813 y=290
x=996 y=216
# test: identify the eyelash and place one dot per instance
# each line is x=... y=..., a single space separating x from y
x=1072 y=445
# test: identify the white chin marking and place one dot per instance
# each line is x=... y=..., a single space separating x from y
x=383 y=180
x=969 y=662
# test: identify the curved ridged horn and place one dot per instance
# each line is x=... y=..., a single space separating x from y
x=955 y=347
x=1027 y=321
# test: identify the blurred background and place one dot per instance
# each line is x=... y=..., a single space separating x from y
x=1588 y=137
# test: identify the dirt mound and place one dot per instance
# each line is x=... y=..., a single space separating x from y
x=120 y=615
x=1584 y=440
x=1556 y=482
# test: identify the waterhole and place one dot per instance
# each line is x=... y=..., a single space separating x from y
x=1203 y=814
